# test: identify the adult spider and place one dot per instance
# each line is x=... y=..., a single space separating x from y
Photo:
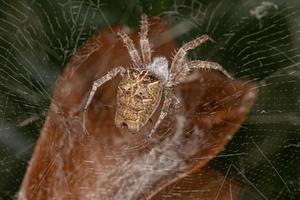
x=148 y=82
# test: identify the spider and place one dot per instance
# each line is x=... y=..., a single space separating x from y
x=150 y=81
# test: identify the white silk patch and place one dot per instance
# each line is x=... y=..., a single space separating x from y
x=159 y=67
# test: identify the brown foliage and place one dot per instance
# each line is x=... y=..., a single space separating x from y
x=107 y=163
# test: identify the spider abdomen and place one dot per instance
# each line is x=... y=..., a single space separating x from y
x=138 y=96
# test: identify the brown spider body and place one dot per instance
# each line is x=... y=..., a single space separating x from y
x=138 y=96
x=150 y=81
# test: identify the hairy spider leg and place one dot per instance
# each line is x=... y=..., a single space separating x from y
x=163 y=114
x=199 y=64
x=144 y=41
x=110 y=75
x=134 y=55
x=178 y=59
x=171 y=104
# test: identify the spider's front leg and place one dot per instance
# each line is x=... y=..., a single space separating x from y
x=144 y=41
x=206 y=65
x=134 y=55
x=171 y=104
x=178 y=59
x=179 y=69
x=110 y=75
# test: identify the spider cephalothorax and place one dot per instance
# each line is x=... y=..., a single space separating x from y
x=150 y=81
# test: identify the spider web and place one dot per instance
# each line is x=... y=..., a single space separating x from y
x=256 y=41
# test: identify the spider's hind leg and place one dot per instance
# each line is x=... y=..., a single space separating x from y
x=144 y=41
x=97 y=83
x=171 y=105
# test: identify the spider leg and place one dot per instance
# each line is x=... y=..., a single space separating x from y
x=135 y=57
x=206 y=65
x=144 y=42
x=169 y=99
x=111 y=74
x=178 y=59
x=161 y=117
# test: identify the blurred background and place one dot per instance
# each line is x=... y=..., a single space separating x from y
x=257 y=41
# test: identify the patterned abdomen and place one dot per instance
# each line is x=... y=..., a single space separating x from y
x=139 y=94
